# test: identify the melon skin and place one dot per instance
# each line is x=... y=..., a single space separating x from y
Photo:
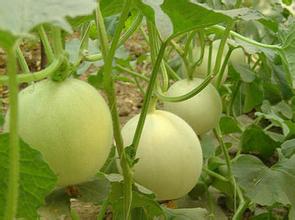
x=203 y=111
x=70 y=124
x=169 y=152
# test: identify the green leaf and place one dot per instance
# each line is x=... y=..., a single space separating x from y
x=173 y=17
x=142 y=197
x=275 y=120
x=186 y=214
x=19 y=17
x=245 y=14
x=287 y=2
x=94 y=191
x=287 y=36
x=229 y=125
x=36 y=179
x=111 y=7
x=208 y=145
x=253 y=95
x=267 y=186
x=246 y=74
x=57 y=205
x=288 y=148
x=255 y=140
x=283 y=80
x=97 y=80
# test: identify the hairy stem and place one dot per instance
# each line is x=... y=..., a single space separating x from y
x=22 y=61
x=14 y=149
x=25 y=77
x=108 y=55
x=46 y=44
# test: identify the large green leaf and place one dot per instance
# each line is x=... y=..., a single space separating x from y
x=111 y=7
x=36 y=179
x=267 y=186
x=255 y=140
x=174 y=16
x=287 y=37
x=18 y=17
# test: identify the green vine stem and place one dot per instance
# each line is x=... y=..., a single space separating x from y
x=223 y=67
x=25 y=77
x=216 y=175
x=148 y=97
x=131 y=72
x=22 y=61
x=14 y=149
x=180 y=52
x=46 y=44
x=133 y=27
x=200 y=59
x=188 y=95
x=83 y=44
x=91 y=57
x=154 y=45
x=209 y=58
x=101 y=31
x=108 y=56
x=248 y=40
x=171 y=72
x=57 y=40
x=187 y=47
x=218 y=60
x=102 y=211
x=242 y=205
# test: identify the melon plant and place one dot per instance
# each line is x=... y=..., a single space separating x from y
x=203 y=111
x=169 y=152
x=70 y=124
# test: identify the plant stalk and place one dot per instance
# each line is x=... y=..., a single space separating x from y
x=22 y=61
x=108 y=56
x=46 y=44
x=14 y=148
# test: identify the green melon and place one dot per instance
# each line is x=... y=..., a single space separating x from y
x=70 y=124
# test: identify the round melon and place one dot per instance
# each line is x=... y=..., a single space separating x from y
x=70 y=124
x=203 y=111
x=169 y=152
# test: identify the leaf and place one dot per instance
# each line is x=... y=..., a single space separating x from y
x=94 y=191
x=208 y=145
x=245 y=14
x=173 y=17
x=57 y=206
x=246 y=74
x=186 y=214
x=283 y=80
x=253 y=95
x=229 y=125
x=97 y=80
x=267 y=186
x=36 y=179
x=287 y=37
x=142 y=197
x=288 y=148
x=18 y=17
x=111 y=7
x=285 y=109
x=255 y=140
x=276 y=120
